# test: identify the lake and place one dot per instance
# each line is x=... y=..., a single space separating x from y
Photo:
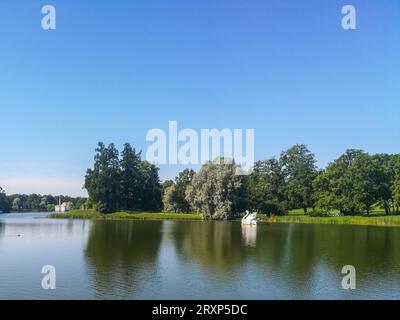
x=194 y=259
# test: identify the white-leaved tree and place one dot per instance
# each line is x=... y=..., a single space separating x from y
x=216 y=192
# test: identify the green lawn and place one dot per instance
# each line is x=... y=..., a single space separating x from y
x=300 y=212
x=376 y=217
x=373 y=220
x=92 y=214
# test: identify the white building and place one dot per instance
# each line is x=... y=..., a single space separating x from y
x=62 y=207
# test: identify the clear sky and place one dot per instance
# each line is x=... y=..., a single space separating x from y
x=112 y=70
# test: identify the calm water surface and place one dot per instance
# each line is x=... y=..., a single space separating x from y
x=194 y=260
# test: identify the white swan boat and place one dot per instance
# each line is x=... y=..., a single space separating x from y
x=250 y=218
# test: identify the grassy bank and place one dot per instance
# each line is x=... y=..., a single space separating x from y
x=293 y=217
x=91 y=214
x=373 y=220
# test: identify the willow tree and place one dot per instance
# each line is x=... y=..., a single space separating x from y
x=216 y=191
x=170 y=199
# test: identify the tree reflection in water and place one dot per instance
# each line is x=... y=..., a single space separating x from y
x=2 y=228
x=214 y=244
x=120 y=254
x=267 y=261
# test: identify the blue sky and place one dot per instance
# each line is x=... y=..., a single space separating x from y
x=112 y=70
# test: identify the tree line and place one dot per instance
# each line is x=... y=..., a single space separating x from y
x=351 y=185
x=36 y=202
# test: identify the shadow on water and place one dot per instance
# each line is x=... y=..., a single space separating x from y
x=121 y=254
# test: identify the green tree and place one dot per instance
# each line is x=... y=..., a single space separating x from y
x=32 y=202
x=4 y=203
x=299 y=168
x=362 y=181
x=333 y=189
x=43 y=203
x=170 y=199
x=174 y=196
x=266 y=185
x=103 y=182
x=16 y=204
x=216 y=192
x=131 y=178
x=384 y=180
x=123 y=184
x=88 y=204
x=182 y=182
x=151 y=197
x=351 y=184
x=166 y=184
x=37 y=202
x=396 y=185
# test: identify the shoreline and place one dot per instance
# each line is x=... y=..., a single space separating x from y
x=93 y=215
x=378 y=221
x=374 y=221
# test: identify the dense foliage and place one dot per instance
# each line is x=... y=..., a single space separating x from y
x=36 y=202
x=266 y=187
x=127 y=183
x=174 y=199
x=216 y=191
x=356 y=181
x=299 y=171
x=4 y=203
x=353 y=184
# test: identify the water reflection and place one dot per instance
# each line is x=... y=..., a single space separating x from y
x=249 y=235
x=297 y=261
x=130 y=258
x=196 y=259
x=308 y=258
x=2 y=229
x=214 y=244
x=120 y=254
x=27 y=244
